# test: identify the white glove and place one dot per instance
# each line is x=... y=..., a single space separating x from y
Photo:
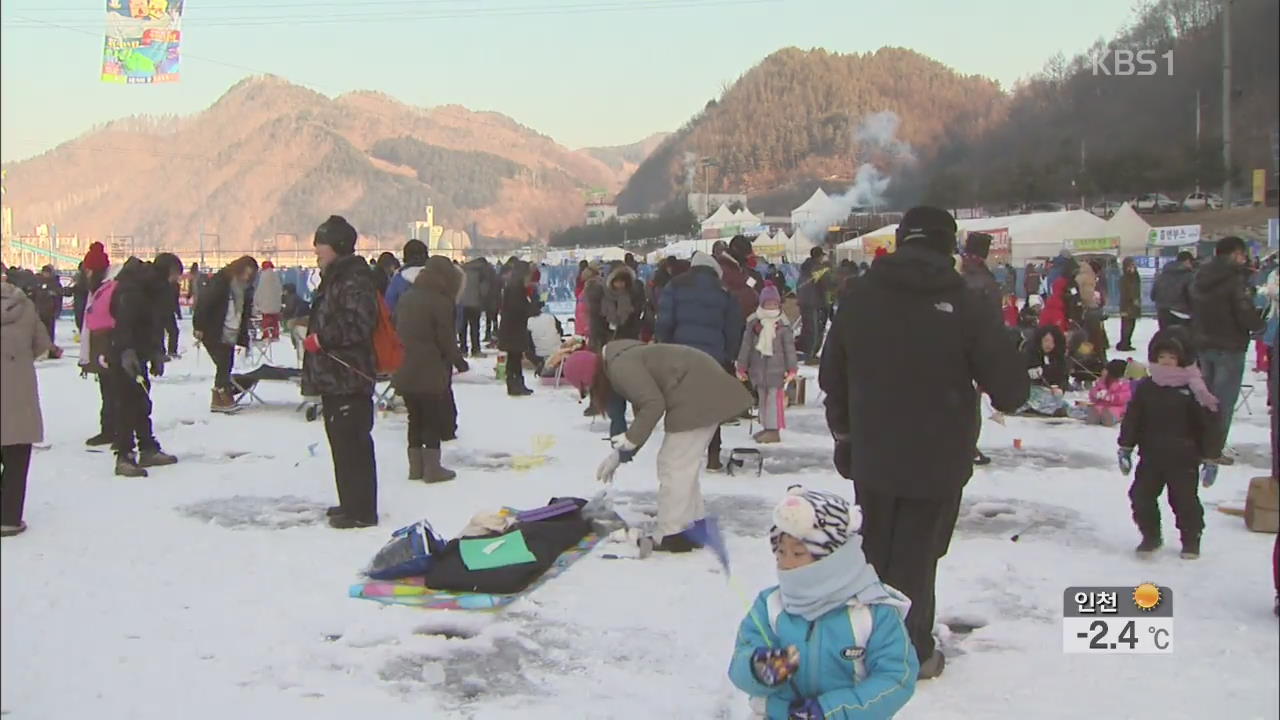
x=605 y=472
x=1035 y=373
x=620 y=442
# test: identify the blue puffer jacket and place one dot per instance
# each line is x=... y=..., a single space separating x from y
x=695 y=310
x=825 y=673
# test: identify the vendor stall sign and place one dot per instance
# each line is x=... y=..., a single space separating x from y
x=1174 y=235
x=1092 y=245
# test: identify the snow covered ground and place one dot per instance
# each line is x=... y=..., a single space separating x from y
x=213 y=589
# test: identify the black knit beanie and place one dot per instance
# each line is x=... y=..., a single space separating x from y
x=338 y=234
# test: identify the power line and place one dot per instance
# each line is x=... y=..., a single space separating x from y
x=564 y=9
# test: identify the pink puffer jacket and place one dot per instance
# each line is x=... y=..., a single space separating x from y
x=1113 y=397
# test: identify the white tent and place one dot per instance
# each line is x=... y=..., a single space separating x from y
x=794 y=248
x=1132 y=230
x=1038 y=235
x=718 y=219
x=815 y=207
x=745 y=218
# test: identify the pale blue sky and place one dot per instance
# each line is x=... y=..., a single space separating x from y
x=583 y=78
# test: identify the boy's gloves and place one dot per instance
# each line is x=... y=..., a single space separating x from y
x=129 y=362
x=605 y=472
x=774 y=666
x=621 y=443
x=805 y=710
x=1208 y=474
x=462 y=365
x=312 y=344
x=741 y=373
x=791 y=375
x=1125 y=457
x=1035 y=373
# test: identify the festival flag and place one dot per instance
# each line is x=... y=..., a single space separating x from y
x=142 y=41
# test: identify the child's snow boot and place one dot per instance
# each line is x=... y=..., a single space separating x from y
x=155 y=458
x=415 y=463
x=1191 y=547
x=434 y=472
x=127 y=466
x=1149 y=544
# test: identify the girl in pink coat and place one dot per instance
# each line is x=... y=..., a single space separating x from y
x=1109 y=397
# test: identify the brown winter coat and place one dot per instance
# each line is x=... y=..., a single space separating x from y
x=684 y=384
x=425 y=324
x=22 y=339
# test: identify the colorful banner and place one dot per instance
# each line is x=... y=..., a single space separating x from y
x=1092 y=245
x=1259 y=187
x=142 y=41
x=1174 y=235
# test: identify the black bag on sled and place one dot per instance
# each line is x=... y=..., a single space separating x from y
x=545 y=539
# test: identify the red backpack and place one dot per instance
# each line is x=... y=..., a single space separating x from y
x=388 y=351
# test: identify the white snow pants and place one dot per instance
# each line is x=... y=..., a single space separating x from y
x=680 y=460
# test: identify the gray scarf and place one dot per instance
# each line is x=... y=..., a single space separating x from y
x=831 y=582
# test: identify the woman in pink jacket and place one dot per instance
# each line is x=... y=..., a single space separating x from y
x=1109 y=397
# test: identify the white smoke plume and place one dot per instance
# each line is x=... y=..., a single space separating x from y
x=876 y=143
x=690 y=170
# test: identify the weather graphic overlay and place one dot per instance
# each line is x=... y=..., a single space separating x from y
x=1124 y=620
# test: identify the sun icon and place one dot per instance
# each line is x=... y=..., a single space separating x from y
x=1146 y=596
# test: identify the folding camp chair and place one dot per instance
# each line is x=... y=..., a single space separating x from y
x=247 y=383
x=1246 y=391
x=259 y=350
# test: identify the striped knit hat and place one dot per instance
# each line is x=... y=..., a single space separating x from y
x=823 y=521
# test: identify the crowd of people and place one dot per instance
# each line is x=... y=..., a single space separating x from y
x=905 y=348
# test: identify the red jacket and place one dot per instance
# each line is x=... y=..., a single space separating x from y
x=1055 y=308
x=1011 y=315
x=735 y=281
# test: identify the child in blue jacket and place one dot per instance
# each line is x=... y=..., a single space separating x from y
x=828 y=641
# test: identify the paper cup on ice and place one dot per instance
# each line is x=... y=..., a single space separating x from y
x=1017 y=443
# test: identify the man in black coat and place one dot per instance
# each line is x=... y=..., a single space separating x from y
x=513 y=327
x=1171 y=292
x=979 y=278
x=140 y=307
x=1223 y=318
x=908 y=344
x=339 y=367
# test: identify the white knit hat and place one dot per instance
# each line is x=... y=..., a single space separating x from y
x=823 y=521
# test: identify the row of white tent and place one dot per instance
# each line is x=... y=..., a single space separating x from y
x=723 y=218
x=1039 y=235
x=773 y=248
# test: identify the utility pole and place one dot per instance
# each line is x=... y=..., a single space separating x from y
x=1197 y=140
x=1226 y=103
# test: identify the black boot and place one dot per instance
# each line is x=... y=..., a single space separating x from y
x=980 y=459
x=1149 y=544
x=678 y=543
x=99 y=440
x=333 y=511
x=346 y=522
x=1191 y=547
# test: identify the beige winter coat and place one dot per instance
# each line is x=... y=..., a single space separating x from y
x=684 y=384
x=1087 y=281
x=23 y=338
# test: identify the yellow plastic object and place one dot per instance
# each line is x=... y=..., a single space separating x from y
x=542 y=444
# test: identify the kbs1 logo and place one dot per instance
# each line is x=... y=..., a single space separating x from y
x=1131 y=63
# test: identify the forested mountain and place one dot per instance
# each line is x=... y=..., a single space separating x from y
x=793 y=117
x=1119 y=135
x=789 y=124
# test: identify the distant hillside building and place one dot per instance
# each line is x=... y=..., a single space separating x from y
x=599 y=213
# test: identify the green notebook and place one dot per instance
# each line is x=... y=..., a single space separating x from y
x=495 y=552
